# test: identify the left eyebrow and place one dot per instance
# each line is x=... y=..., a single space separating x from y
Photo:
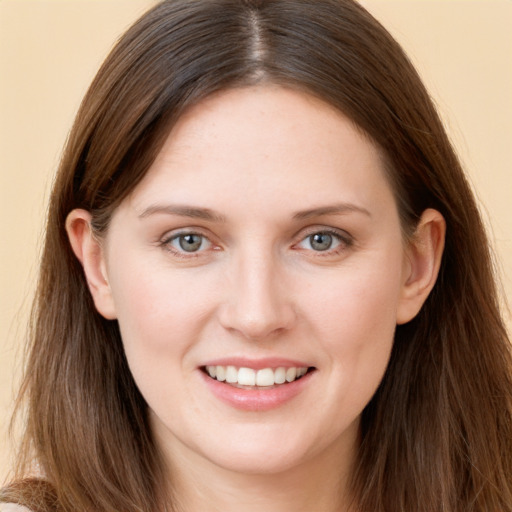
x=183 y=211
x=336 y=209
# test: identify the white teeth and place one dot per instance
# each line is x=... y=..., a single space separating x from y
x=291 y=374
x=280 y=376
x=265 y=377
x=220 y=373
x=246 y=377
x=249 y=377
x=231 y=374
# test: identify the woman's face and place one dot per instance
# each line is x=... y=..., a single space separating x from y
x=263 y=243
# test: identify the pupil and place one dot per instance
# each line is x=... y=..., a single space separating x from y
x=190 y=243
x=321 y=241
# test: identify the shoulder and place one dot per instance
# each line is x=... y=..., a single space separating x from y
x=29 y=495
x=12 y=507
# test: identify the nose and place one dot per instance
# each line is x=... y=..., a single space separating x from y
x=258 y=304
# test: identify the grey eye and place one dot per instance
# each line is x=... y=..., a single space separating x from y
x=320 y=241
x=189 y=242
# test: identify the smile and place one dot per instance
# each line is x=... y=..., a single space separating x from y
x=249 y=377
x=258 y=385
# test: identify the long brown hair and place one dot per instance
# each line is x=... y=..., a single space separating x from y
x=437 y=435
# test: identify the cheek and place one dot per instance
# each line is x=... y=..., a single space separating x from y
x=159 y=312
x=360 y=299
x=160 y=317
x=355 y=321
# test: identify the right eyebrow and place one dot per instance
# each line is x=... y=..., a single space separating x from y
x=183 y=211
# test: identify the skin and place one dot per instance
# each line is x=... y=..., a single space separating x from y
x=272 y=166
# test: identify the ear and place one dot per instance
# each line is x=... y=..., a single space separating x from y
x=421 y=264
x=88 y=250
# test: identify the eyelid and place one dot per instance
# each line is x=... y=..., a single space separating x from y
x=319 y=228
x=166 y=240
x=346 y=239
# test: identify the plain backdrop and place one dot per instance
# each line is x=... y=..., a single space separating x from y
x=51 y=49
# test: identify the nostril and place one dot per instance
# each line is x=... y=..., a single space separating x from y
x=255 y=306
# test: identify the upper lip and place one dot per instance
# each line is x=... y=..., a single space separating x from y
x=257 y=364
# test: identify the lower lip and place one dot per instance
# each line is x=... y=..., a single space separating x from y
x=260 y=399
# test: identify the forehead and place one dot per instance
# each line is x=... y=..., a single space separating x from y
x=262 y=142
x=264 y=116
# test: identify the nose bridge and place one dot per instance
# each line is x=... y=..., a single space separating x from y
x=258 y=304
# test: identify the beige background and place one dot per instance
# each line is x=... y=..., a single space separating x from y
x=50 y=50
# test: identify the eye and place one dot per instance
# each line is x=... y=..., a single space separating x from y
x=188 y=243
x=325 y=241
x=321 y=241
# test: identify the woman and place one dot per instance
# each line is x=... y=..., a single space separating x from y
x=265 y=281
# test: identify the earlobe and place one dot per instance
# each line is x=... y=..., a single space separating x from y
x=89 y=252
x=421 y=265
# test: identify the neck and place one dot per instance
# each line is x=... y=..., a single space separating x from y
x=319 y=484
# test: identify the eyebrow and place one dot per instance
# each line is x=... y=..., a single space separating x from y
x=183 y=211
x=211 y=216
x=337 y=209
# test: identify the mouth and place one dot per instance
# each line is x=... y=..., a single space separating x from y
x=256 y=379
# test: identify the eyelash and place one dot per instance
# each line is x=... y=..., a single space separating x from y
x=344 y=240
x=167 y=241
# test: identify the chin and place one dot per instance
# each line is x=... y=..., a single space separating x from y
x=258 y=462
x=267 y=451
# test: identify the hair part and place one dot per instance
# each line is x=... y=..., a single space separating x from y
x=437 y=435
